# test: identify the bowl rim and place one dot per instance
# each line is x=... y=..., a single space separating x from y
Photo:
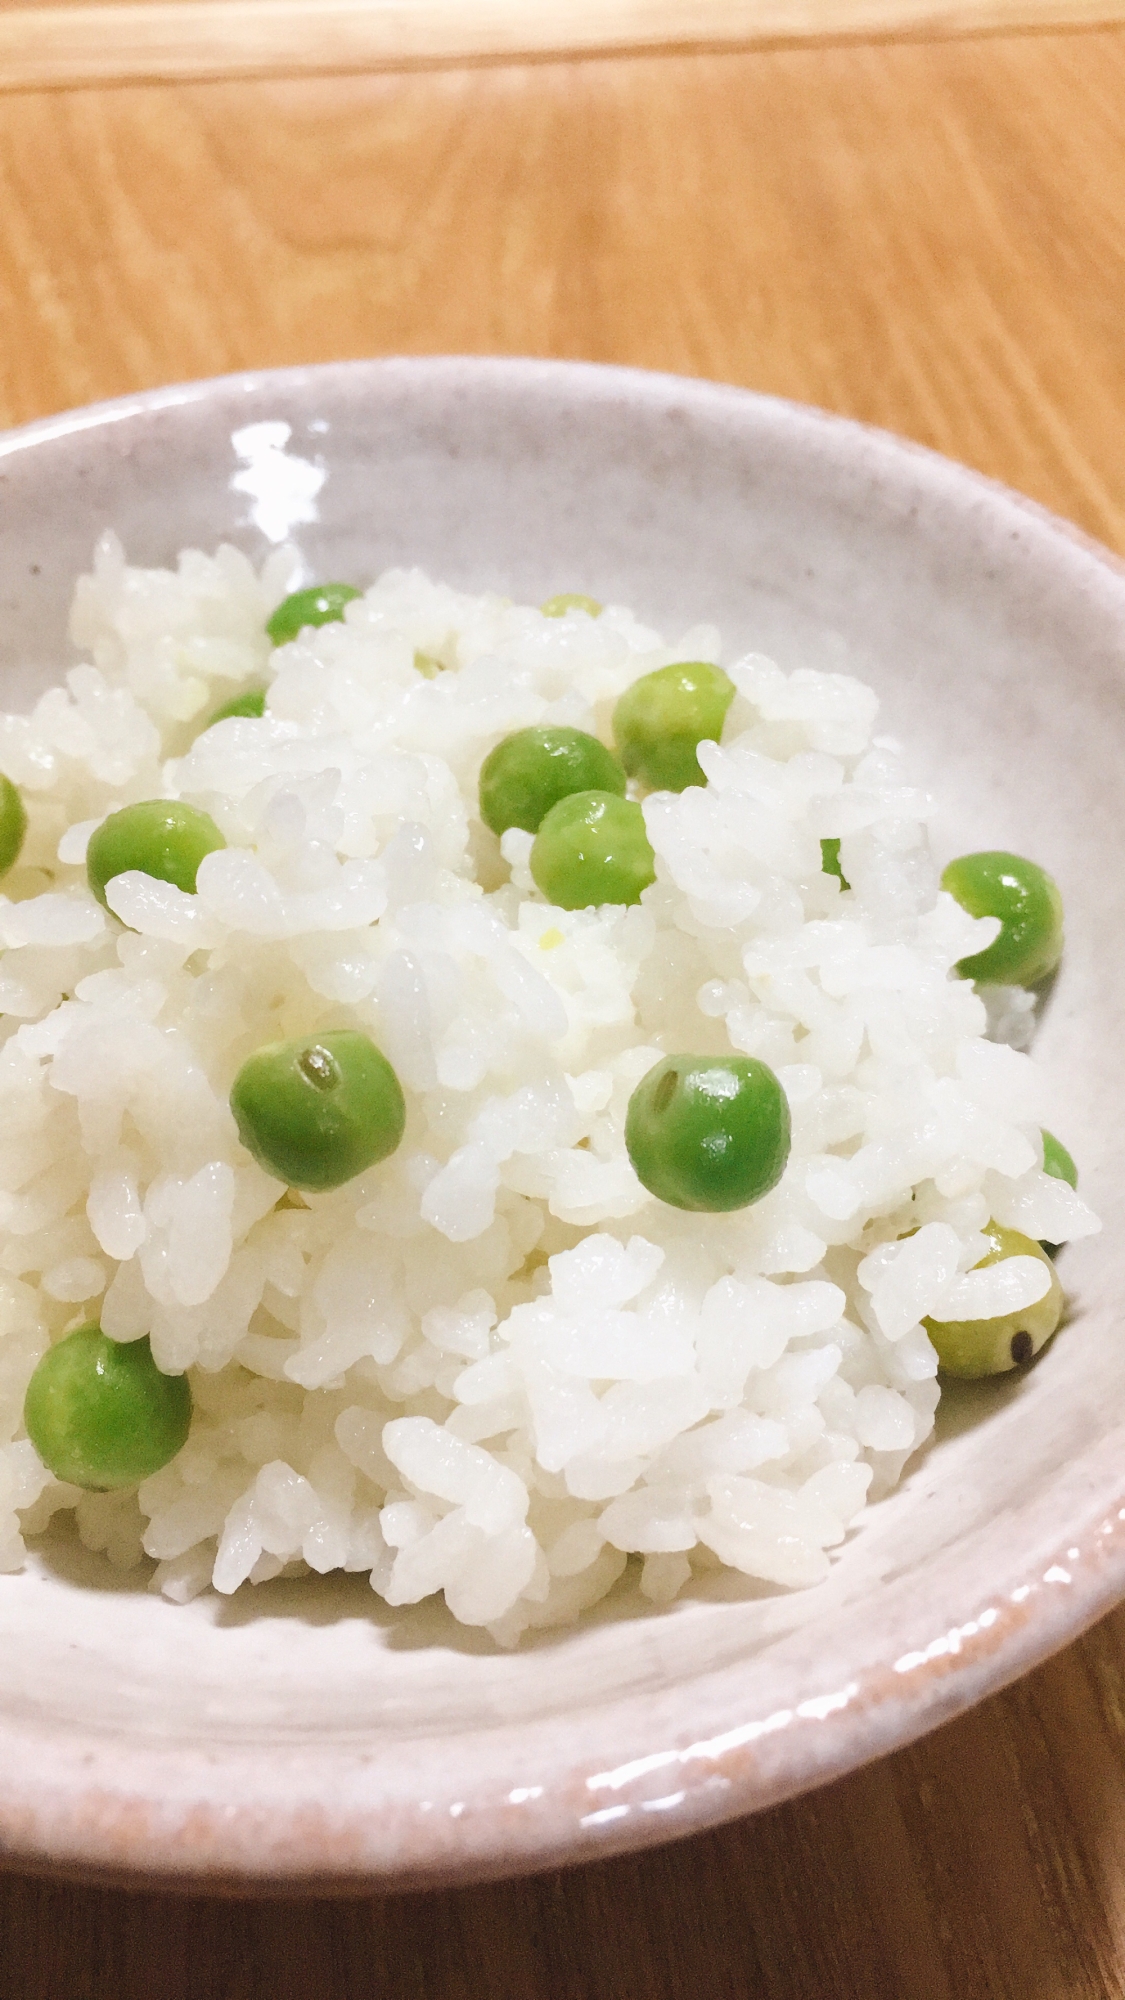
x=79 y=1828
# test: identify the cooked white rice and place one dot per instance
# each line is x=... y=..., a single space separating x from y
x=493 y=1366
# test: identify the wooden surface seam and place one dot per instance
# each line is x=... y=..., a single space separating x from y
x=52 y=47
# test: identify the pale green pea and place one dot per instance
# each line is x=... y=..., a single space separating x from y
x=660 y=721
x=13 y=824
x=975 y=1347
x=571 y=600
x=251 y=705
x=592 y=848
x=100 y=1413
x=321 y=604
x=530 y=771
x=161 y=837
x=1028 y=904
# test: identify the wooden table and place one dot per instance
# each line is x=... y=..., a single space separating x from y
x=929 y=235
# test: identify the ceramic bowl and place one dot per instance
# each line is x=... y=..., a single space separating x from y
x=304 y=1736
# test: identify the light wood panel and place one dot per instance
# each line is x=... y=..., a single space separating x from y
x=43 y=45
x=927 y=236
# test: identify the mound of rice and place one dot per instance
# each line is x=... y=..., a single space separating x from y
x=493 y=1366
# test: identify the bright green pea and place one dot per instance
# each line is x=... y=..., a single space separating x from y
x=975 y=1347
x=708 y=1132
x=1057 y=1161
x=571 y=600
x=321 y=604
x=318 y=1111
x=830 y=861
x=161 y=837
x=100 y=1413
x=592 y=848
x=1030 y=910
x=251 y=704
x=662 y=719
x=530 y=771
x=13 y=824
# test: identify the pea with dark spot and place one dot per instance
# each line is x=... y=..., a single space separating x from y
x=708 y=1133
x=975 y=1347
x=316 y=1112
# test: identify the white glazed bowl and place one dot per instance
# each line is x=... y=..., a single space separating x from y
x=305 y=1736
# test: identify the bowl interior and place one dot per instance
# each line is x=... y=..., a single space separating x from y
x=306 y=1732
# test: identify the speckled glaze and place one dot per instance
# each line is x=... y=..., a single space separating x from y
x=304 y=1736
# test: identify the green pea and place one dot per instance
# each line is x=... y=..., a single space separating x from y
x=532 y=770
x=251 y=704
x=830 y=861
x=571 y=600
x=708 y=1132
x=161 y=837
x=321 y=604
x=318 y=1111
x=1030 y=910
x=662 y=719
x=13 y=824
x=975 y=1347
x=1057 y=1161
x=100 y=1413
x=592 y=848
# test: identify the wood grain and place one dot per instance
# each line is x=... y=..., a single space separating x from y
x=928 y=236
x=45 y=46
